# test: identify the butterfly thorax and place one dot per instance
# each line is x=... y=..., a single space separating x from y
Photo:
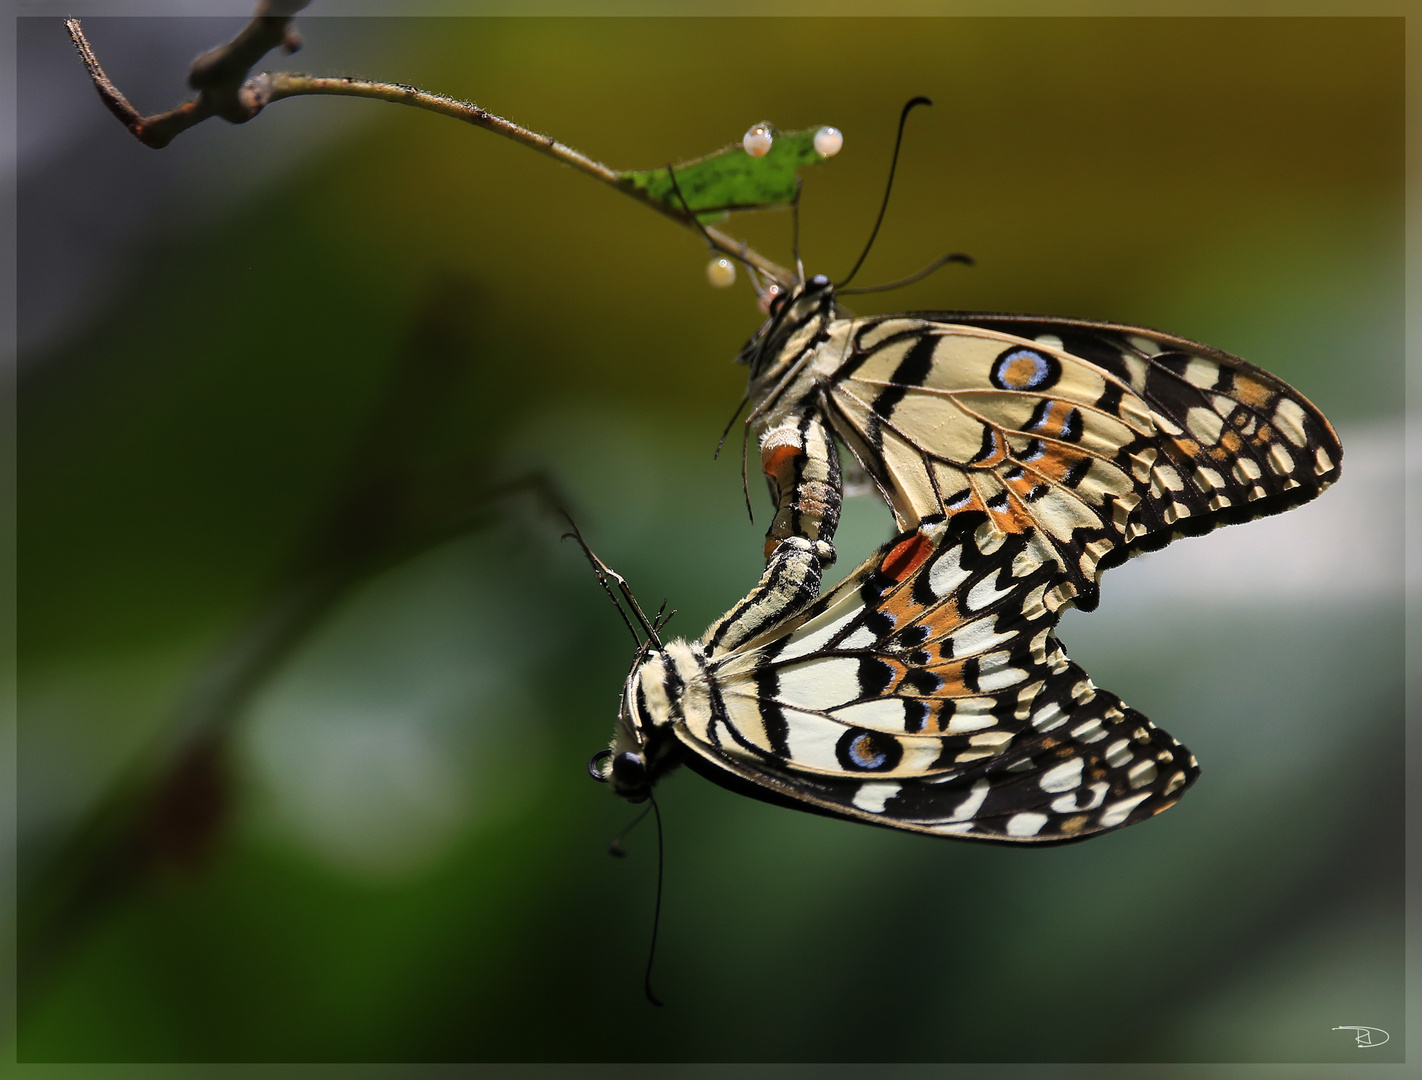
x=660 y=688
x=796 y=325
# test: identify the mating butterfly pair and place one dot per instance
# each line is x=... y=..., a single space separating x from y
x=1021 y=457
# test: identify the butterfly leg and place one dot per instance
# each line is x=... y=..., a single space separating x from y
x=801 y=466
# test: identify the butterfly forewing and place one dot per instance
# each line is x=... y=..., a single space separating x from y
x=929 y=692
x=1096 y=440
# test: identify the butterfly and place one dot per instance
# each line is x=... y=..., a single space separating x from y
x=927 y=692
x=1099 y=441
x=1021 y=457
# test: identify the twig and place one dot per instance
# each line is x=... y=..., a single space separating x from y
x=225 y=90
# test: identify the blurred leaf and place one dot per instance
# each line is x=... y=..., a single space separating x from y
x=730 y=179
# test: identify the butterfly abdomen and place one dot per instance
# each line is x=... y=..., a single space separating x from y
x=801 y=467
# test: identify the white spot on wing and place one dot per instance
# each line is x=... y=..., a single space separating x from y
x=820 y=684
x=1289 y=418
x=1118 y=753
x=946 y=574
x=973 y=803
x=884 y=713
x=1202 y=373
x=995 y=674
x=1063 y=777
x=1204 y=424
x=872 y=795
x=1072 y=804
x=1142 y=773
x=862 y=638
x=815 y=634
x=1246 y=469
x=1048 y=717
x=1118 y=811
x=1025 y=824
x=979 y=636
x=1280 y=460
x=985 y=592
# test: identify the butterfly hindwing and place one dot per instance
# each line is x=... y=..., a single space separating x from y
x=1098 y=440
x=929 y=692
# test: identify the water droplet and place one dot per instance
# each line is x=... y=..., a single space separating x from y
x=757 y=140
x=721 y=273
x=828 y=141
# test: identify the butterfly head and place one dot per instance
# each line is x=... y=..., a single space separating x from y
x=643 y=746
x=795 y=318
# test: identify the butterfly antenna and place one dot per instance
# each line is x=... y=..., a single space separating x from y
x=745 y=476
x=615 y=848
x=893 y=164
x=604 y=573
x=745 y=400
x=942 y=260
x=657 y=913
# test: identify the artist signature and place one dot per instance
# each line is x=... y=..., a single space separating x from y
x=1367 y=1036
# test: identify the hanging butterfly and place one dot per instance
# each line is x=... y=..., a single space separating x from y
x=1097 y=440
x=927 y=692
x=1021 y=456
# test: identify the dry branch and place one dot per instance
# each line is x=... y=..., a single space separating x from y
x=227 y=89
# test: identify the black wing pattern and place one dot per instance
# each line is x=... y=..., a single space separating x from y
x=929 y=692
x=1098 y=440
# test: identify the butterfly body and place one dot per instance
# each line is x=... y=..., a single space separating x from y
x=926 y=692
x=1102 y=440
x=1021 y=457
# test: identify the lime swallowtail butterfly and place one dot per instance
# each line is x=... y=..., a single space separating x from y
x=1021 y=456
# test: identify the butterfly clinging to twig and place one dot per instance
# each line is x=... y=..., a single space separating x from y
x=1021 y=457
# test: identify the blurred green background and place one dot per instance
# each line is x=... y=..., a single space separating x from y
x=307 y=681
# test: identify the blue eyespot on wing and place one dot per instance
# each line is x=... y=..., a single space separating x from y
x=1102 y=440
x=929 y=692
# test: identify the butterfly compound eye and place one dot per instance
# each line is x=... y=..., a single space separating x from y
x=819 y=281
x=595 y=766
x=629 y=769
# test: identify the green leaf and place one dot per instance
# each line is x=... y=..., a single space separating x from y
x=730 y=179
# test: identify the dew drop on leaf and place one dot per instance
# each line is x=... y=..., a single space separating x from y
x=757 y=140
x=828 y=141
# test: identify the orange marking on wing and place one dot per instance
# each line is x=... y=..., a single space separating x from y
x=1000 y=451
x=933 y=722
x=1015 y=519
x=1053 y=423
x=902 y=607
x=1251 y=391
x=906 y=557
x=941 y=621
x=1054 y=464
x=951 y=675
x=898 y=669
